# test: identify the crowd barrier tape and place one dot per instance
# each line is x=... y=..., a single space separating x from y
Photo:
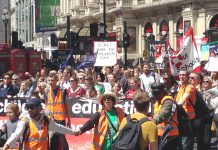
x=81 y=109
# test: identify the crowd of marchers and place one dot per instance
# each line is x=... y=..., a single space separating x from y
x=158 y=97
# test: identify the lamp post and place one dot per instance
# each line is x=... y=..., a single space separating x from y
x=5 y=19
x=104 y=19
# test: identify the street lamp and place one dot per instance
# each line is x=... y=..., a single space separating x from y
x=5 y=19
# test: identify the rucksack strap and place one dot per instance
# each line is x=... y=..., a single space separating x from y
x=111 y=122
x=129 y=119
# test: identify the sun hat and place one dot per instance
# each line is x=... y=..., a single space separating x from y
x=107 y=93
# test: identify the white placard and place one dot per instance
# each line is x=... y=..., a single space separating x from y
x=106 y=53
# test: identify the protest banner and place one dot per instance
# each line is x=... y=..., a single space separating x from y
x=188 y=58
x=81 y=110
x=106 y=53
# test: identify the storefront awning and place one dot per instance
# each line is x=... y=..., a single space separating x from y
x=75 y=29
x=85 y=31
x=63 y=33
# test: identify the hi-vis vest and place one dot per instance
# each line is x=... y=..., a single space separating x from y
x=35 y=139
x=187 y=106
x=101 y=128
x=173 y=123
x=56 y=105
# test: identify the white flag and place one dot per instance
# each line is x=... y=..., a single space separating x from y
x=188 y=58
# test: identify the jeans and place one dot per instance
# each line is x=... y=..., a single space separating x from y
x=186 y=142
x=58 y=140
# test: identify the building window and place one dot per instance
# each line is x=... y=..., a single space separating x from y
x=164 y=30
x=148 y=32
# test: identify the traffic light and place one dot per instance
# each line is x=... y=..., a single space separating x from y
x=14 y=39
x=74 y=40
x=94 y=29
x=125 y=40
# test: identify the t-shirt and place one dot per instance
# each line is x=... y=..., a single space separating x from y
x=149 y=130
x=99 y=89
x=113 y=117
x=78 y=92
x=129 y=94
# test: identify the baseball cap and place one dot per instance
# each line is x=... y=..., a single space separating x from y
x=34 y=101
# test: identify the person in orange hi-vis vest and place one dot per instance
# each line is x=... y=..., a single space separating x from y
x=57 y=108
x=162 y=113
x=33 y=128
x=106 y=122
x=185 y=97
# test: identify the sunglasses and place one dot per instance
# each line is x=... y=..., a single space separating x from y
x=14 y=79
x=206 y=81
x=72 y=80
x=80 y=78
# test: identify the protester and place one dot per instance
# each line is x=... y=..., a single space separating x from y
x=24 y=90
x=75 y=90
x=134 y=84
x=214 y=77
x=105 y=131
x=162 y=114
x=91 y=82
x=212 y=103
x=9 y=126
x=58 y=108
x=16 y=81
x=81 y=79
x=65 y=82
x=42 y=90
x=185 y=96
x=31 y=125
x=122 y=79
x=171 y=84
x=91 y=93
x=148 y=77
x=148 y=135
x=7 y=89
x=208 y=119
x=116 y=89
x=201 y=125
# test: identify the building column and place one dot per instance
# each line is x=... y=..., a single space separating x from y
x=139 y=44
x=189 y=18
x=202 y=20
x=171 y=31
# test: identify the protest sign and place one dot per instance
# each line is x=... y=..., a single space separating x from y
x=106 y=53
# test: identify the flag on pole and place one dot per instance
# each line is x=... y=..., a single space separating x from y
x=188 y=58
x=68 y=61
x=89 y=62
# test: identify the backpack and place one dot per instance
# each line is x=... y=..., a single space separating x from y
x=184 y=123
x=128 y=137
x=200 y=107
